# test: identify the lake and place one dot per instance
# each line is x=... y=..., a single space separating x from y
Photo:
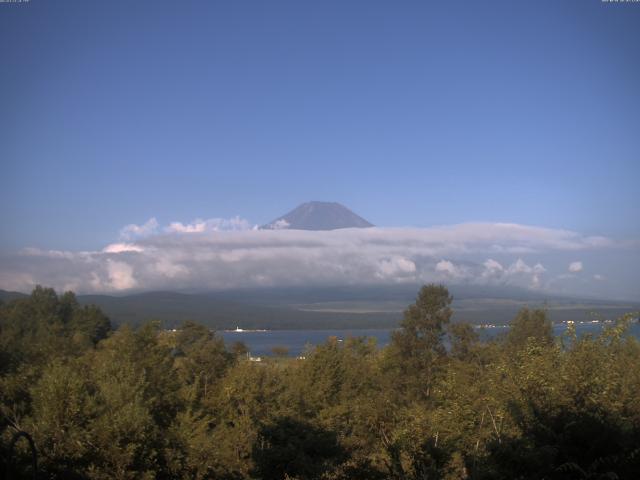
x=261 y=343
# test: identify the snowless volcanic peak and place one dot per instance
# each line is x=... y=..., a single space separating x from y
x=318 y=216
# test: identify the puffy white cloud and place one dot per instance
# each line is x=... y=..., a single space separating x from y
x=217 y=253
x=397 y=268
x=446 y=266
x=521 y=270
x=538 y=268
x=122 y=247
x=518 y=273
x=114 y=276
x=120 y=275
x=133 y=231
x=493 y=266
x=575 y=267
x=280 y=224
x=167 y=268
x=519 y=266
x=536 y=279
x=210 y=225
x=197 y=226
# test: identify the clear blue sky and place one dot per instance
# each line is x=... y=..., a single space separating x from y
x=410 y=113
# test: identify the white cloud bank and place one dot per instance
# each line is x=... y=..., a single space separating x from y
x=218 y=254
x=575 y=267
x=152 y=227
x=133 y=231
x=210 y=225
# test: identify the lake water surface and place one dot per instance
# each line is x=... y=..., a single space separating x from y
x=261 y=343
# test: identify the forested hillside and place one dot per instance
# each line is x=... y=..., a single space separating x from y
x=142 y=403
x=310 y=308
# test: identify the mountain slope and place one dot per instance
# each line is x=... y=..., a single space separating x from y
x=6 y=296
x=339 y=307
x=335 y=307
x=318 y=216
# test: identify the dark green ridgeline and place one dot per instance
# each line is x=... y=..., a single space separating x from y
x=334 y=307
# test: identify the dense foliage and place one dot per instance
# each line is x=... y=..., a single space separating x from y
x=434 y=404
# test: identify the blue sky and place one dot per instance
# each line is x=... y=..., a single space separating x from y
x=410 y=113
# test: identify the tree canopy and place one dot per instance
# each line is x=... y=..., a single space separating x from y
x=436 y=403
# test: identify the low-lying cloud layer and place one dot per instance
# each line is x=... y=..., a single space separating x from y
x=220 y=254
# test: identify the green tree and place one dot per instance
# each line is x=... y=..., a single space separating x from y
x=90 y=323
x=530 y=324
x=63 y=409
x=289 y=448
x=463 y=339
x=200 y=360
x=417 y=349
